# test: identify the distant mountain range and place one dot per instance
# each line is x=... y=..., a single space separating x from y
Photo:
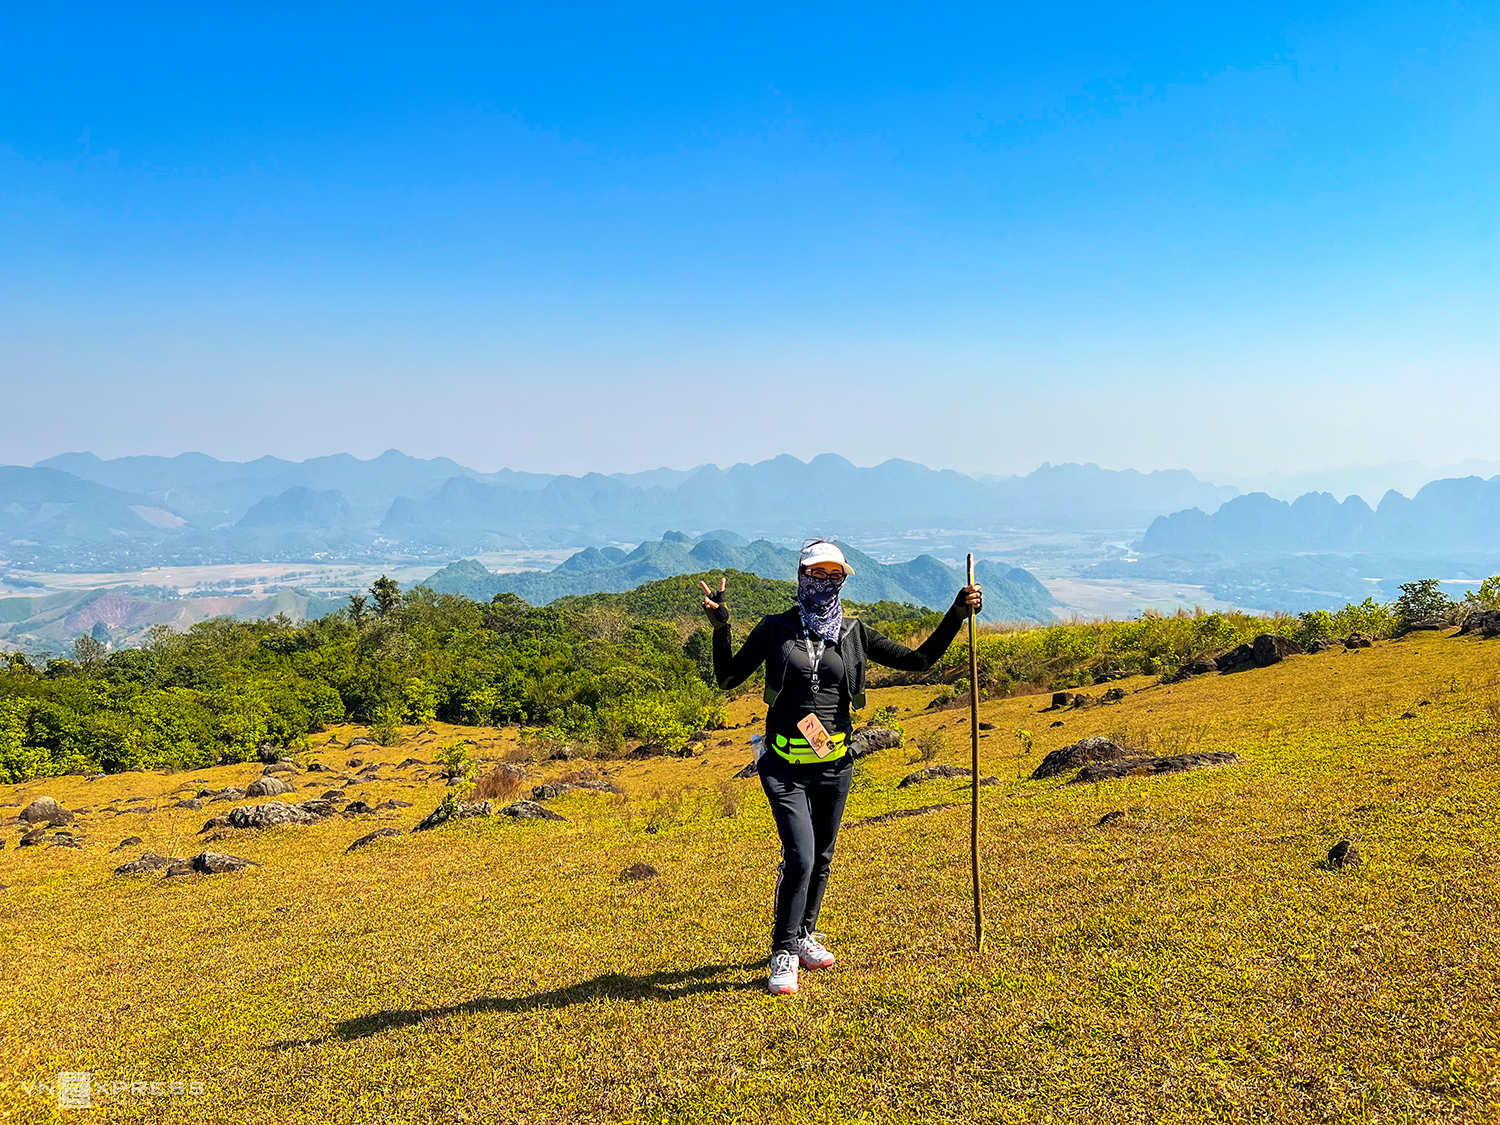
x=1315 y=552
x=1444 y=516
x=1010 y=594
x=79 y=512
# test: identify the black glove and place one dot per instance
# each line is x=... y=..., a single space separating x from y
x=962 y=606
x=719 y=615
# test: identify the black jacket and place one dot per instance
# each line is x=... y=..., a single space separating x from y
x=777 y=641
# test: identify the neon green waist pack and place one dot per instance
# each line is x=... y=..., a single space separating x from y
x=797 y=751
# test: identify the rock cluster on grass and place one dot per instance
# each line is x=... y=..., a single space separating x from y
x=1358 y=640
x=1427 y=625
x=211 y=863
x=1072 y=700
x=1147 y=766
x=147 y=863
x=1486 y=622
x=45 y=810
x=1265 y=650
x=638 y=873
x=271 y=814
x=1071 y=757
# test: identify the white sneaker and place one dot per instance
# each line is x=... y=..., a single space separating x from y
x=783 y=973
x=811 y=953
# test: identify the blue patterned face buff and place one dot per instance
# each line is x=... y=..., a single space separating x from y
x=818 y=600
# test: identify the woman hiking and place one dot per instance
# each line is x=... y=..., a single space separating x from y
x=815 y=672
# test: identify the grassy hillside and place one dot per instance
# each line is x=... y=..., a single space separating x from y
x=1190 y=960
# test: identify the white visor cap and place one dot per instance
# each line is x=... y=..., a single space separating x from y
x=825 y=554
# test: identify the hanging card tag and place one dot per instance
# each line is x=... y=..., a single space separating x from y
x=816 y=734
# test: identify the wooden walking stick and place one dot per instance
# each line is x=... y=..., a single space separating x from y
x=974 y=772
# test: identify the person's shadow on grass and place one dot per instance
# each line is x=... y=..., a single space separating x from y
x=608 y=986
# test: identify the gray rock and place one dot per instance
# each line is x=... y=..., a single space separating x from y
x=267 y=787
x=316 y=767
x=269 y=815
x=1236 y=657
x=282 y=765
x=1485 y=622
x=597 y=785
x=750 y=770
x=1081 y=753
x=1344 y=854
x=230 y=794
x=190 y=803
x=549 y=790
x=211 y=863
x=44 y=810
x=64 y=841
x=33 y=838
x=128 y=842
x=319 y=807
x=393 y=803
x=1141 y=767
x=440 y=816
x=1111 y=817
x=378 y=834
x=530 y=810
x=333 y=795
x=1061 y=699
x=929 y=773
x=1273 y=648
x=638 y=873
x=148 y=862
x=357 y=808
x=1358 y=640
x=869 y=739
x=1200 y=667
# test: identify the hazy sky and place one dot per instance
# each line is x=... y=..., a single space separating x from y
x=618 y=237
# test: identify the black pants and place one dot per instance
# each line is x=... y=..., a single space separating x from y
x=807 y=802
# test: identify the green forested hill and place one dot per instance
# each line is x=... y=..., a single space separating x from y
x=1011 y=594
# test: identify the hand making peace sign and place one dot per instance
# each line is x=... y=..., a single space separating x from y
x=717 y=611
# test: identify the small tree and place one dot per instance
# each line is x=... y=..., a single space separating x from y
x=1420 y=600
x=87 y=651
x=387 y=594
x=357 y=610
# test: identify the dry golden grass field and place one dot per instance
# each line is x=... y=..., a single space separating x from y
x=1193 y=960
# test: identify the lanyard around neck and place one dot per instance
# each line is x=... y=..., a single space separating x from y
x=814 y=655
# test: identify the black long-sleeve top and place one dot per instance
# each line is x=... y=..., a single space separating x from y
x=779 y=641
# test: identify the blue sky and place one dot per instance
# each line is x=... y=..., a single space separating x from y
x=613 y=238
